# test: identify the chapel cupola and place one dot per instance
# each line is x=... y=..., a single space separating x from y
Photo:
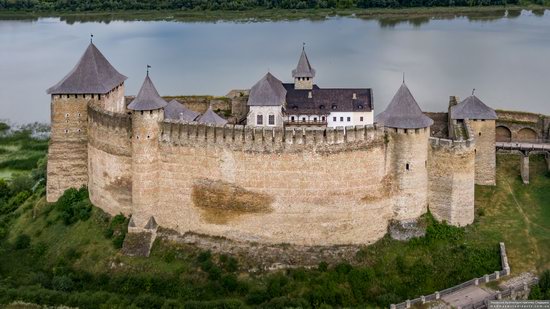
x=303 y=74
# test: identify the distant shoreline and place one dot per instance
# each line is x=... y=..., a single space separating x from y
x=486 y=12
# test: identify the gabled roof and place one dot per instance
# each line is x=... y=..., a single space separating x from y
x=326 y=100
x=92 y=74
x=472 y=108
x=148 y=98
x=177 y=111
x=268 y=91
x=403 y=112
x=210 y=117
x=303 y=69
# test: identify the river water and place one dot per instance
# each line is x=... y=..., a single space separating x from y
x=506 y=59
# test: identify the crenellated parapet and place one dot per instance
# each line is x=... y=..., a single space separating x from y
x=270 y=140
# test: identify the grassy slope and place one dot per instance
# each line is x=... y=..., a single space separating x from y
x=517 y=214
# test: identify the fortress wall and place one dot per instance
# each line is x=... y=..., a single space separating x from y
x=451 y=173
x=409 y=167
x=293 y=186
x=110 y=161
x=483 y=132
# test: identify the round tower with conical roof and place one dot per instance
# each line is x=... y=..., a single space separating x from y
x=408 y=131
x=93 y=81
x=147 y=112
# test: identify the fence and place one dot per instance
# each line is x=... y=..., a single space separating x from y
x=476 y=281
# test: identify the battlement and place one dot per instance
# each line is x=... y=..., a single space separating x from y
x=105 y=118
x=252 y=139
x=406 y=131
x=463 y=143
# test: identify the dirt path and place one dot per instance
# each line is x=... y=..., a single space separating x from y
x=528 y=223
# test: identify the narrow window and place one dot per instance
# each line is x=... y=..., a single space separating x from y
x=323 y=119
x=341 y=118
x=333 y=118
x=315 y=119
x=479 y=133
x=292 y=119
x=271 y=120
x=92 y=96
x=259 y=120
x=349 y=119
x=361 y=119
x=407 y=167
x=303 y=119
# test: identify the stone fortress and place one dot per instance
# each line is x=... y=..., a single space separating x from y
x=269 y=181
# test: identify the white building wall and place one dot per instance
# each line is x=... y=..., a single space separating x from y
x=265 y=111
x=343 y=119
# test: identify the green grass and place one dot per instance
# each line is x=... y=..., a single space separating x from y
x=517 y=214
x=19 y=153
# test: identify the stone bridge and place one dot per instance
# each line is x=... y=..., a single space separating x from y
x=524 y=149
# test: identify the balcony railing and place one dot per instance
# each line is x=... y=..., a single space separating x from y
x=305 y=122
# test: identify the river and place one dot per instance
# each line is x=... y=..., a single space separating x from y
x=506 y=59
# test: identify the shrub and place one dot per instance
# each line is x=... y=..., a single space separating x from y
x=62 y=283
x=21 y=183
x=23 y=241
x=74 y=205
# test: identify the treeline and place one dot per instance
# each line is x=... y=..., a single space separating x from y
x=110 y=5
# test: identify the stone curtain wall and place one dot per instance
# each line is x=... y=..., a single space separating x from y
x=523 y=126
x=110 y=161
x=483 y=132
x=293 y=186
x=200 y=104
x=451 y=173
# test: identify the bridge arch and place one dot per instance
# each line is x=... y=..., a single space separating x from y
x=503 y=134
x=527 y=134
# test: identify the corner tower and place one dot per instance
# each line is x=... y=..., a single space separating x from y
x=92 y=81
x=147 y=113
x=303 y=74
x=481 y=119
x=408 y=130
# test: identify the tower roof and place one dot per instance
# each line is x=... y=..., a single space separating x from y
x=303 y=69
x=268 y=91
x=177 y=111
x=210 y=117
x=92 y=74
x=472 y=108
x=148 y=98
x=403 y=112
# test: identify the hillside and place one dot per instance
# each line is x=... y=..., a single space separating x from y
x=69 y=253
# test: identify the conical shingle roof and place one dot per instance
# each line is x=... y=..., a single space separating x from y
x=92 y=74
x=268 y=91
x=403 y=112
x=210 y=117
x=177 y=111
x=472 y=108
x=303 y=69
x=148 y=98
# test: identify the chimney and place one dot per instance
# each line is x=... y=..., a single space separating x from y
x=309 y=95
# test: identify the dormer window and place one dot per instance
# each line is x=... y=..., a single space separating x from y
x=360 y=106
x=354 y=96
x=321 y=107
x=334 y=106
x=309 y=95
x=294 y=107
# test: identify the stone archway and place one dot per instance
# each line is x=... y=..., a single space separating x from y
x=503 y=134
x=527 y=135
